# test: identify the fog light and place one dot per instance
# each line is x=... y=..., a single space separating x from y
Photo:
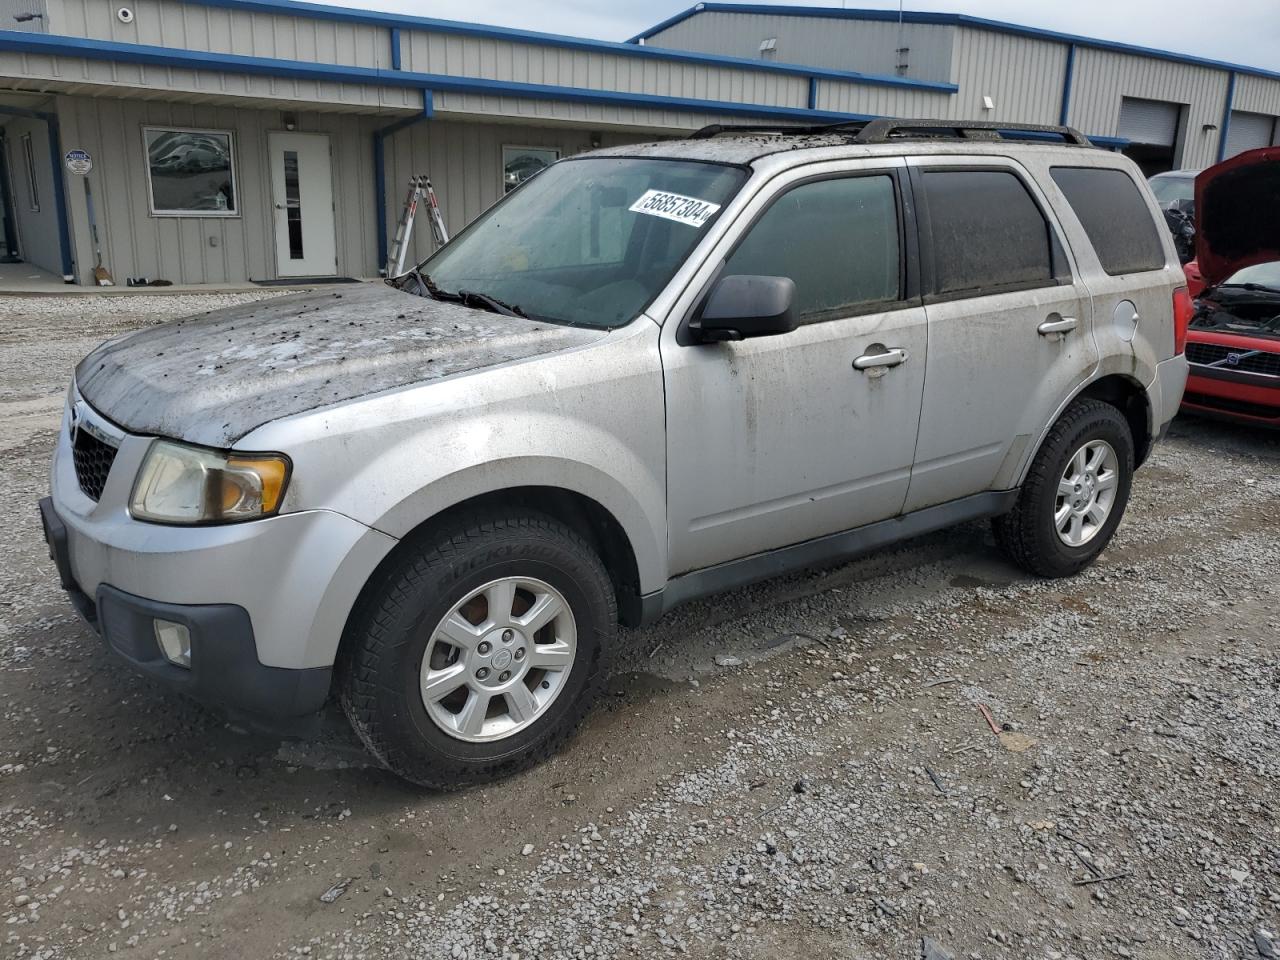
x=175 y=642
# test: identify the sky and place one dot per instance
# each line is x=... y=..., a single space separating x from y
x=1239 y=31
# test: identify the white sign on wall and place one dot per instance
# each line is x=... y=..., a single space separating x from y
x=79 y=162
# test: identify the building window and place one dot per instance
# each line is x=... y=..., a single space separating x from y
x=191 y=173
x=521 y=163
x=33 y=184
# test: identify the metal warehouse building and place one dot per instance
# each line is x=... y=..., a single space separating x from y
x=1166 y=110
x=220 y=141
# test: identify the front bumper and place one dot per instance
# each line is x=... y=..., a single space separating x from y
x=225 y=671
x=1229 y=395
x=266 y=601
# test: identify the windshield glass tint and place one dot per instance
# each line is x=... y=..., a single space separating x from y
x=588 y=242
x=1263 y=274
x=1172 y=189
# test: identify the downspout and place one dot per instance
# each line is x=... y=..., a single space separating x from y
x=59 y=188
x=380 y=172
x=60 y=197
x=1067 y=75
x=1226 y=116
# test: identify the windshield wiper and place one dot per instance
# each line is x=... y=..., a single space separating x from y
x=426 y=287
x=472 y=298
x=1251 y=287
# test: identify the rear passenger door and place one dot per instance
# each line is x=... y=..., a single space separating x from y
x=1009 y=324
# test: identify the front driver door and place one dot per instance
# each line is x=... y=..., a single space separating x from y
x=778 y=440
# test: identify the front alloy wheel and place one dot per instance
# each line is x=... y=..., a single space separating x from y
x=478 y=648
x=499 y=659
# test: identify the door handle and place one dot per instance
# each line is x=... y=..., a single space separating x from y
x=279 y=206
x=886 y=358
x=1060 y=325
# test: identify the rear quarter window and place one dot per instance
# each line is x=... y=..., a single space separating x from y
x=1115 y=217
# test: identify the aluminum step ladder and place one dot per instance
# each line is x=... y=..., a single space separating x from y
x=419 y=187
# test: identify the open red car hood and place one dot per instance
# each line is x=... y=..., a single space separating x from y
x=1238 y=214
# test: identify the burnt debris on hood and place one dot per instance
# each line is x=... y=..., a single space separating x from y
x=1238 y=214
x=210 y=379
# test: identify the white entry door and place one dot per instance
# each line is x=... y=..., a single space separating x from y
x=302 y=192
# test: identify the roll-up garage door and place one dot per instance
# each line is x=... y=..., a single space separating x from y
x=1149 y=121
x=1248 y=131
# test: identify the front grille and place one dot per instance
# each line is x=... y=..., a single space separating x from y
x=93 y=459
x=1207 y=354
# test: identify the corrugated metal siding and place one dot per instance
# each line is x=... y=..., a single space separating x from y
x=867 y=46
x=1022 y=75
x=196 y=26
x=10 y=7
x=881 y=101
x=1257 y=95
x=647 y=119
x=179 y=249
x=526 y=63
x=464 y=161
x=37 y=230
x=155 y=81
x=1103 y=77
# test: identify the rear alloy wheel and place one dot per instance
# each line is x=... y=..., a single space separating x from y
x=1074 y=495
x=1086 y=493
x=478 y=649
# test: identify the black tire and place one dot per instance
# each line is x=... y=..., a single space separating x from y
x=1027 y=534
x=379 y=669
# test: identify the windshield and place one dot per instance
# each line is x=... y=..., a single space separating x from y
x=1262 y=274
x=586 y=242
x=1172 y=189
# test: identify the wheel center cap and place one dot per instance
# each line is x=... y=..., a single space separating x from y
x=502 y=660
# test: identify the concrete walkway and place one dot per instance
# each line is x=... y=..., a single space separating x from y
x=28 y=280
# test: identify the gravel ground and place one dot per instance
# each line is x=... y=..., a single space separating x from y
x=799 y=769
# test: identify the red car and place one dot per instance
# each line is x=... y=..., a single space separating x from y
x=1233 y=341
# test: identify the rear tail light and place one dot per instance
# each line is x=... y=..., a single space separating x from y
x=1183 y=308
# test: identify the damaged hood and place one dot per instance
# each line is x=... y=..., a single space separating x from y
x=212 y=378
x=1238 y=214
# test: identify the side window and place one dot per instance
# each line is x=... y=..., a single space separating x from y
x=1115 y=217
x=987 y=232
x=837 y=239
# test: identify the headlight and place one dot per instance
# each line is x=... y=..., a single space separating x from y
x=182 y=484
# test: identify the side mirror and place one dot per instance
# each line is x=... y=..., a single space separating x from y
x=741 y=307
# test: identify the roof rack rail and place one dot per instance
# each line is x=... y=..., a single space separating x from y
x=740 y=129
x=882 y=130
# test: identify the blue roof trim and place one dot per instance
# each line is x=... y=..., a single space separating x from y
x=110 y=51
x=299 y=69
x=298 y=8
x=954 y=20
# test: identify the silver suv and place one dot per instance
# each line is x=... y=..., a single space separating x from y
x=646 y=375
